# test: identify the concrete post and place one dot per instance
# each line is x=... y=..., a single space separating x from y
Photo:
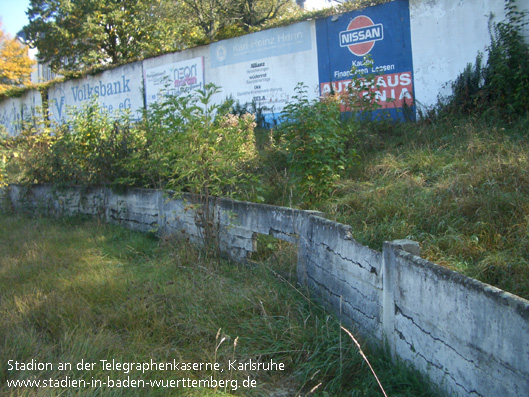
x=304 y=233
x=389 y=285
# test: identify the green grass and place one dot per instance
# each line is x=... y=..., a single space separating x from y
x=459 y=187
x=75 y=289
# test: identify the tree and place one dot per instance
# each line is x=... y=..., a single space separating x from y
x=254 y=13
x=76 y=35
x=218 y=19
x=80 y=34
x=15 y=65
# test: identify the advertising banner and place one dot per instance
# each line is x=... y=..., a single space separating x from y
x=15 y=111
x=116 y=90
x=373 y=41
x=264 y=68
x=173 y=79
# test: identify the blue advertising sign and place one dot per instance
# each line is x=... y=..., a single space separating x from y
x=381 y=33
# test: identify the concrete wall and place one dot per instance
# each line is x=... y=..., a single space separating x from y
x=15 y=111
x=446 y=35
x=468 y=337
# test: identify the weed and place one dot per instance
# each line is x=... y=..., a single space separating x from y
x=500 y=87
x=458 y=187
x=74 y=290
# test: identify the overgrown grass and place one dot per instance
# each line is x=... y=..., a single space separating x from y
x=458 y=186
x=73 y=290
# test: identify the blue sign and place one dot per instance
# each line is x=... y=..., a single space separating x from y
x=381 y=34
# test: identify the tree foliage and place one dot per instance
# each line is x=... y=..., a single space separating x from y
x=217 y=19
x=79 y=34
x=15 y=65
x=74 y=35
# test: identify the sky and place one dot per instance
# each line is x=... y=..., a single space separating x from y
x=13 y=15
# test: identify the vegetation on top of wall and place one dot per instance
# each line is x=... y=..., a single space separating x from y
x=501 y=86
x=17 y=92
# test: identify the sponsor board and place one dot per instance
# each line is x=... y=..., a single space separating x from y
x=116 y=90
x=263 y=68
x=380 y=33
x=173 y=79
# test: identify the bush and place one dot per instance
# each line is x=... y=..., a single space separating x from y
x=502 y=85
x=91 y=147
x=26 y=157
x=314 y=136
x=195 y=146
x=183 y=143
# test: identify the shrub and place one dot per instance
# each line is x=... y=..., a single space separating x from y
x=90 y=148
x=196 y=146
x=26 y=157
x=314 y=137
x=502 y=84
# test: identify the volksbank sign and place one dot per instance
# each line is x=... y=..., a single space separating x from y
x=116 y=89
x=101 y=89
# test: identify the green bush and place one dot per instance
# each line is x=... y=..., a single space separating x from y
x=26 y=157
x=183 y=143
x=92 y=145
x=501 y=86
x=196 y=146
x=314 y=137
x=88 y=149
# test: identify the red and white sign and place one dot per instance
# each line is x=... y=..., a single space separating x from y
x=361 y=35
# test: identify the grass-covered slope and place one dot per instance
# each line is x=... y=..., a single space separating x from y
x=458 y=186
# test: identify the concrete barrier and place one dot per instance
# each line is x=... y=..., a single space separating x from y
x=470 y=338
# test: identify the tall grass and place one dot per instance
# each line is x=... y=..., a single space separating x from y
x=458 y=186
x=73 y=290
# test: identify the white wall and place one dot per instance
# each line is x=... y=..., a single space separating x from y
x=266 y=67
x=168 y=62
x=13 y=111
x=447 y=35
x=118 y=89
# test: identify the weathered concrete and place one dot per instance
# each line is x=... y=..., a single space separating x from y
x=468 y=337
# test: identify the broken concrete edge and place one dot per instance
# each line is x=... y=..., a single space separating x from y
x=504 y=298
